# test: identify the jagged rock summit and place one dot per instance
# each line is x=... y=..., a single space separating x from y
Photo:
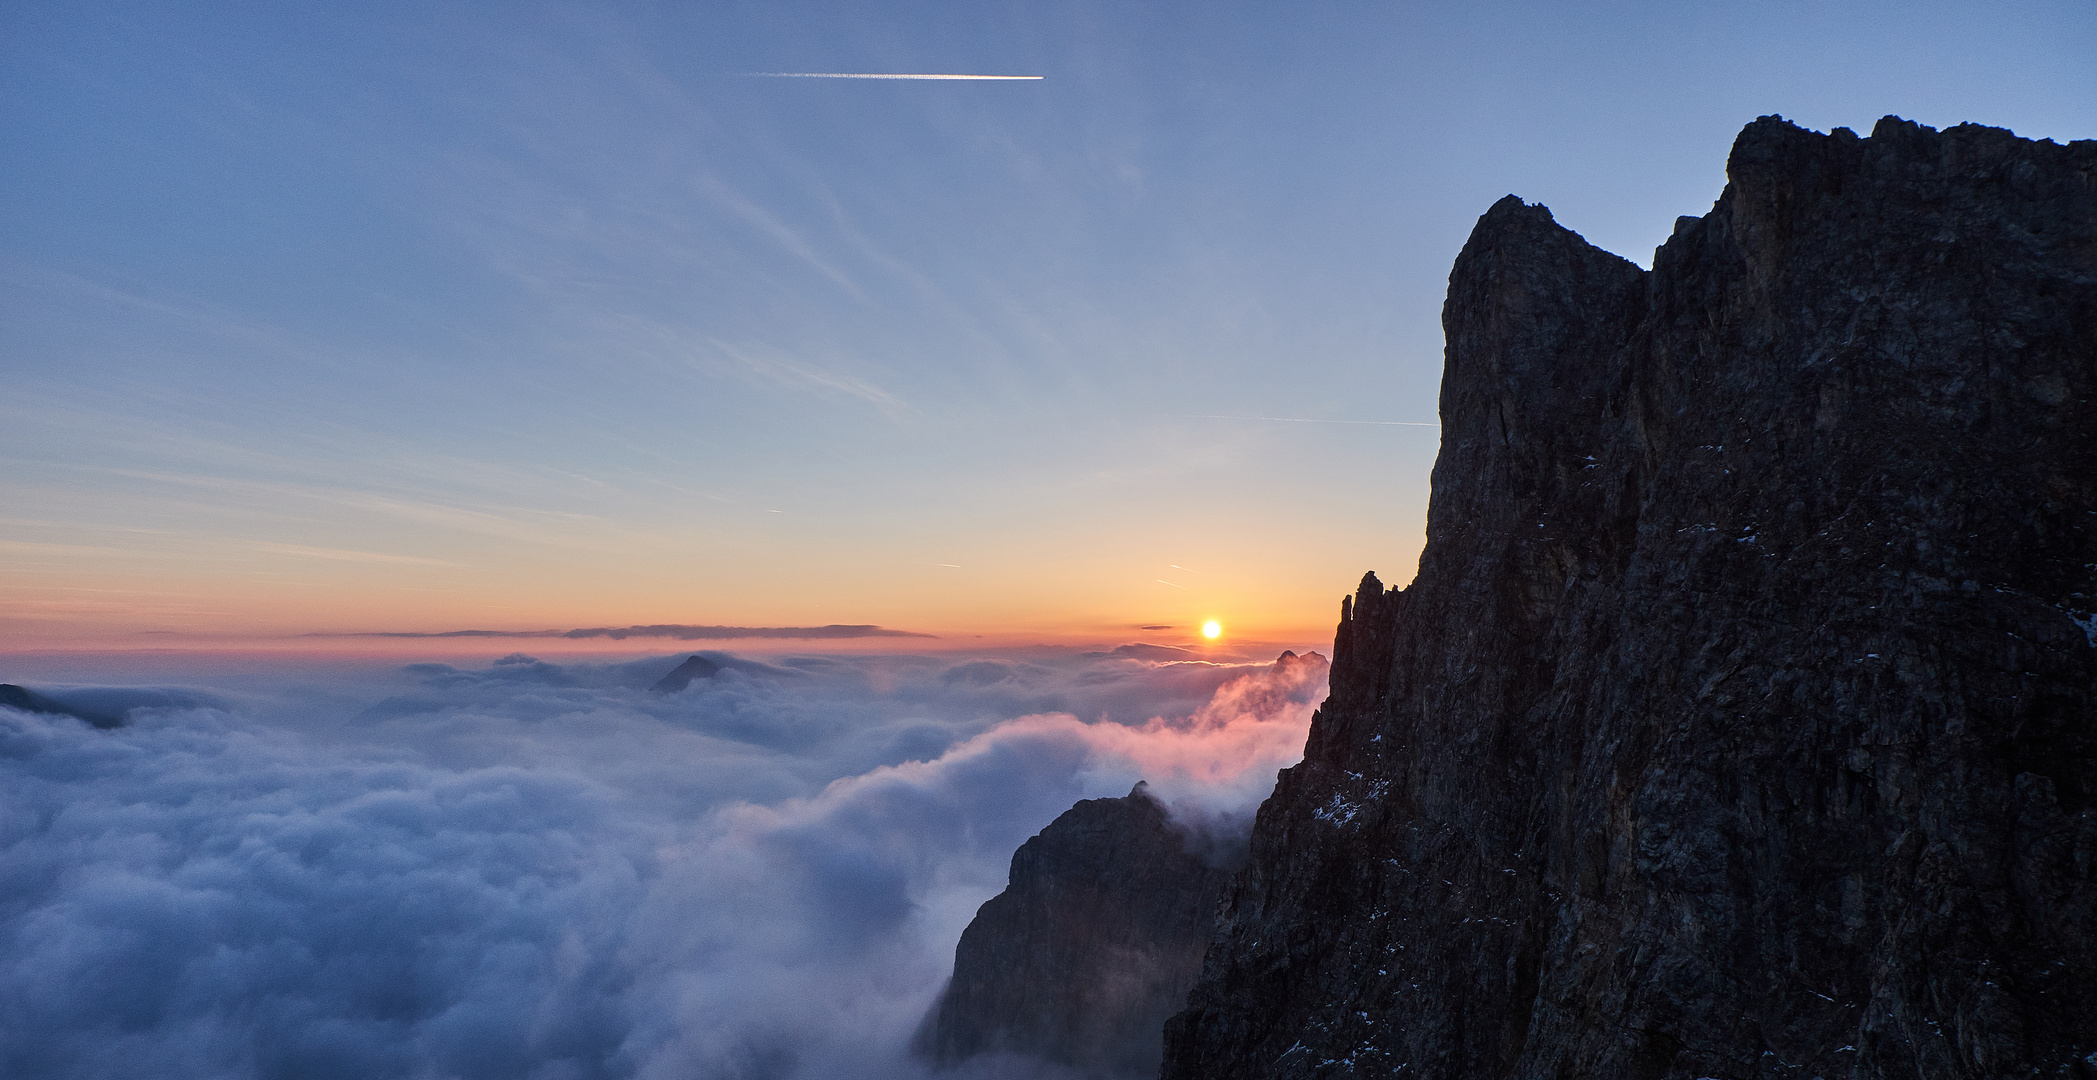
x=1739 y=721
x=1093 y=943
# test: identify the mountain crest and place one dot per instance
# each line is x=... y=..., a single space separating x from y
x=1741 y=719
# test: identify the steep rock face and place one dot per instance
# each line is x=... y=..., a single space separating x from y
x=1090 y=947
x=1739 y=720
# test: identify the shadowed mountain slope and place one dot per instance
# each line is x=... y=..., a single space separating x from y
x=27 y=700
x=1739 y=721
x=1091 y=946
x=681 y=676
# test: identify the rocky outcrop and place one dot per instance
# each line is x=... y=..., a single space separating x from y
x=1739 y=721
x=1093 y=943
x=681 y=676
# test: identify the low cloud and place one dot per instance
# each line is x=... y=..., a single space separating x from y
x=675 y=631
x=536 y=869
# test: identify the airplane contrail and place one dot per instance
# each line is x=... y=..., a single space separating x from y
x=874 y=75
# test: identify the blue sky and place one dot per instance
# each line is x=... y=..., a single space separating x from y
x=420 y=317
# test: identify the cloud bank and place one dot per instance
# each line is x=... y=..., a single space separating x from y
x=544 y=871
x=676 y=631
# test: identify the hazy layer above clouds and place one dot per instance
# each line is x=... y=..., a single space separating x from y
x=678 y=631
x=543 y=870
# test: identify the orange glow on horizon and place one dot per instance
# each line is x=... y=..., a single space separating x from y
x=117 y=601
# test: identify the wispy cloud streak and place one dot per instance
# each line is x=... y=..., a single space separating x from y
x=802 y=376
x=875 y=75
x=342 y=555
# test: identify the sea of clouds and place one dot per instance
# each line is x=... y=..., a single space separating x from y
x=545 y=870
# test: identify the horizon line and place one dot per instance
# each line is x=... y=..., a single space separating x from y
x=679 y=631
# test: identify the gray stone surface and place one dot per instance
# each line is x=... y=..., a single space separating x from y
x=1091 y=946
x=1739 y=720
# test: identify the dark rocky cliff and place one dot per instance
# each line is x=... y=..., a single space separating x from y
x=1739 y=720
x=1090 y=947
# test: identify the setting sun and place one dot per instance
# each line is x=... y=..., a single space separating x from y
x=1211 y=629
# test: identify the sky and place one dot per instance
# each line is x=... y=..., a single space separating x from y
x=327 y=319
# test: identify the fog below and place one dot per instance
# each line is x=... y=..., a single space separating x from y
x=545 y=870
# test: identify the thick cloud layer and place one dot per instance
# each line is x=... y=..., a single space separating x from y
x=542 y=870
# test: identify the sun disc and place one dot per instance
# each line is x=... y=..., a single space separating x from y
x=1212 y=629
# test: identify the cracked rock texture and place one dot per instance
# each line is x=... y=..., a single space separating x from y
x=1739 y=720
x=1093 y=943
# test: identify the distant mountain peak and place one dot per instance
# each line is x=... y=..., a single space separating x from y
x=27 y=700
x=681 y=676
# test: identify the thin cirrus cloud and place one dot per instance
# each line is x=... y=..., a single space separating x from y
x=344 y=555
x=767 y=223
x=882 y=75
x=803 y=377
